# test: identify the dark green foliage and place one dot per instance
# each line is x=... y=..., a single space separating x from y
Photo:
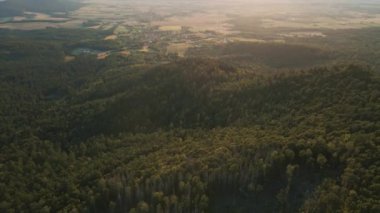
x=274 y=55
x=192 y=135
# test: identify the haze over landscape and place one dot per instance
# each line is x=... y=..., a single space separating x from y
x=183 y=106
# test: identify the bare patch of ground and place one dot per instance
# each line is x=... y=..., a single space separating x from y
x=178 y=48
x=170 y=28
x=125 y=53
x=110 y=37
x=144 y=49
x=69 y=58
x=103 y=55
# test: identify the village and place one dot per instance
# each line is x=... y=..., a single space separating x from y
x=162 y=43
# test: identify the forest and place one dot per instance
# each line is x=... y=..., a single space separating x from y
x=180 y=106
x=195 y=134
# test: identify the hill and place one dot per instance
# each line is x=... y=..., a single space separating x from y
x=200 y=135
x=18 y=7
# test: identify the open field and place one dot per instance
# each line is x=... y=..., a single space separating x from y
x=125 y=53
x=354 y=21
x=233 y=39
x=110 y=37
x=178 y=48
x=102 y=55
x=144 y=49
x=207 y=15
x=170 y=28
x=69 y=58
x=198 y=22
x=305 y=34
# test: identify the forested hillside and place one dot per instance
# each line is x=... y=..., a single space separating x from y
x=192 y=135
x=18 y=7
x=189 y=106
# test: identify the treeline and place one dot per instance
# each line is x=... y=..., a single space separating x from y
x=271 y=55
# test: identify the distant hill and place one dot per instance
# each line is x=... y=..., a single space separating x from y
x=18 y=7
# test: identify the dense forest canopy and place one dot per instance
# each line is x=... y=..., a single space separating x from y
x=186 y=135
x=107 y=120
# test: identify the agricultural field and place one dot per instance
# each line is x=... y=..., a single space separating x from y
x=173 y=25
x=178 y=48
